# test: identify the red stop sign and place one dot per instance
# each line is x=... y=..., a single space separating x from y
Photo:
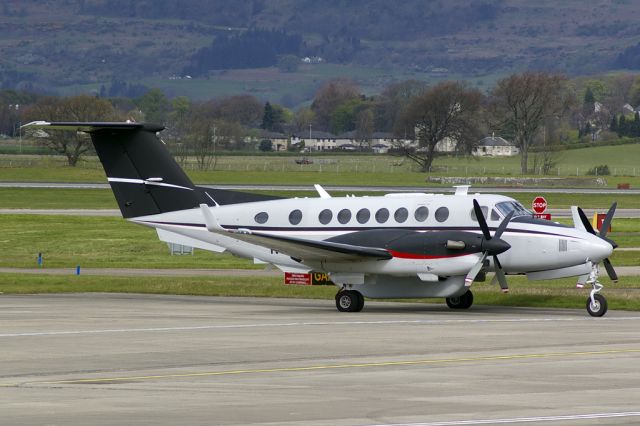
x=539 y=205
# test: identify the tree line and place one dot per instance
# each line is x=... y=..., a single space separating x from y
x=537 y=111
x=256 y=48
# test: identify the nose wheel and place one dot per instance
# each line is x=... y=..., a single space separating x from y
x=349 y=301
x=597 y=306
x=596 y=303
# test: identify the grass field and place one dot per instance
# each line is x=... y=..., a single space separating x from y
x=60 y=198
x=105 y=242
x=338 y=169
x=557 y=294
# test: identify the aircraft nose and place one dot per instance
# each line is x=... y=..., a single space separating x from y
x=495 y=246
x=599 y=249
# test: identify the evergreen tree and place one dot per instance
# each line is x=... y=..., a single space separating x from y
x=614 y=124
x=589 y=99
x=267 y=117
x=265 y=145
x=634 y=131
x=622 y=126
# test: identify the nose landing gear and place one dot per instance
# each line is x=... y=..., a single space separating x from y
x=596 y=303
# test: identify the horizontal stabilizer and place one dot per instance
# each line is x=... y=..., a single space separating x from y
x=174 y=238
x=92 y=126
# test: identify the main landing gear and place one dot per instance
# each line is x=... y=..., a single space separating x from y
x=349 y=301
x=461 y=302
x=596 y=303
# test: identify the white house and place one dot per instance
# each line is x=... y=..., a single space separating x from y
x=315 y=140
x=380 y=148
x=495 y=146
x=446 y=145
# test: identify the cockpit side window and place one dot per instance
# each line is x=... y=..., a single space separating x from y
x=506 y=207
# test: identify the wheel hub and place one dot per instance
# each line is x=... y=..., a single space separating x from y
x=345 y=302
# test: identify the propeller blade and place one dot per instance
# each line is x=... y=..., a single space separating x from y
x=473 y=273
x=610 y=271
x=610 y=241
x=607 y=220
x=585 y=222
x=481 y=220
x=503 y=225
x=497 y=262
x=502 y=280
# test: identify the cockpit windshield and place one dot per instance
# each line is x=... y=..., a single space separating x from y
x=506 y=207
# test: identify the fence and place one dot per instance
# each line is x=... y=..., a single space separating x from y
x=375 y=164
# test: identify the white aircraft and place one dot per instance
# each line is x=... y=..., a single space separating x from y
x=404 y=245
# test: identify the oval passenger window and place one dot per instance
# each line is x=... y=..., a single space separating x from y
x=382 y=215
x=295 y=217
x=325 y=216
x=442 y=214
x=261 y=217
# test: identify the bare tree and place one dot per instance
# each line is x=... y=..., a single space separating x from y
x=521 y=103
x=303 y=118
x=393 y=100
x=364 y=127
x=77 y=108
x=548 y=147
x=206 y=135
x=201 y=140
x=243 y=109
x=447 y=110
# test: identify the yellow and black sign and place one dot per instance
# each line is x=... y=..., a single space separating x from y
x=320 y=278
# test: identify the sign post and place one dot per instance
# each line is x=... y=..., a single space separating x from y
x=539 y=207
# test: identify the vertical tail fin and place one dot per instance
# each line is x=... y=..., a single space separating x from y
x=143 y=175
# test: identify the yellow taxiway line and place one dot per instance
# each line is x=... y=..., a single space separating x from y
x=330 y=367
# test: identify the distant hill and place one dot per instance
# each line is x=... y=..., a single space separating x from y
x=78 y=45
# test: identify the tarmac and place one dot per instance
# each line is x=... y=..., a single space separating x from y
x=106 y=359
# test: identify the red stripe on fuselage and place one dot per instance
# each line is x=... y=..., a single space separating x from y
x=403 y=255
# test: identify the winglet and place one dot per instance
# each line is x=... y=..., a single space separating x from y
x=210 y=220
x=321 y=191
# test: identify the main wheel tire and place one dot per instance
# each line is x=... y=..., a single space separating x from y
x=597 y=308
x=360 y=301
x=349 y=301
x=463 y=301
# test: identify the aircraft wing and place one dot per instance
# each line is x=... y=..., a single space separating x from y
x=298 y=248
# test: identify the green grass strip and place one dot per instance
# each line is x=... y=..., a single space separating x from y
x=624 y=295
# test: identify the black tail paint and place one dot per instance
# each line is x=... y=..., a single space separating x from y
x=144 y=176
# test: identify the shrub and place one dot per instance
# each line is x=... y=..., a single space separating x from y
x=599 y=170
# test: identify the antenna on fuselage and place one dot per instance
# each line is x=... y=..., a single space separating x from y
x=462 y=189
x=321 y=192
